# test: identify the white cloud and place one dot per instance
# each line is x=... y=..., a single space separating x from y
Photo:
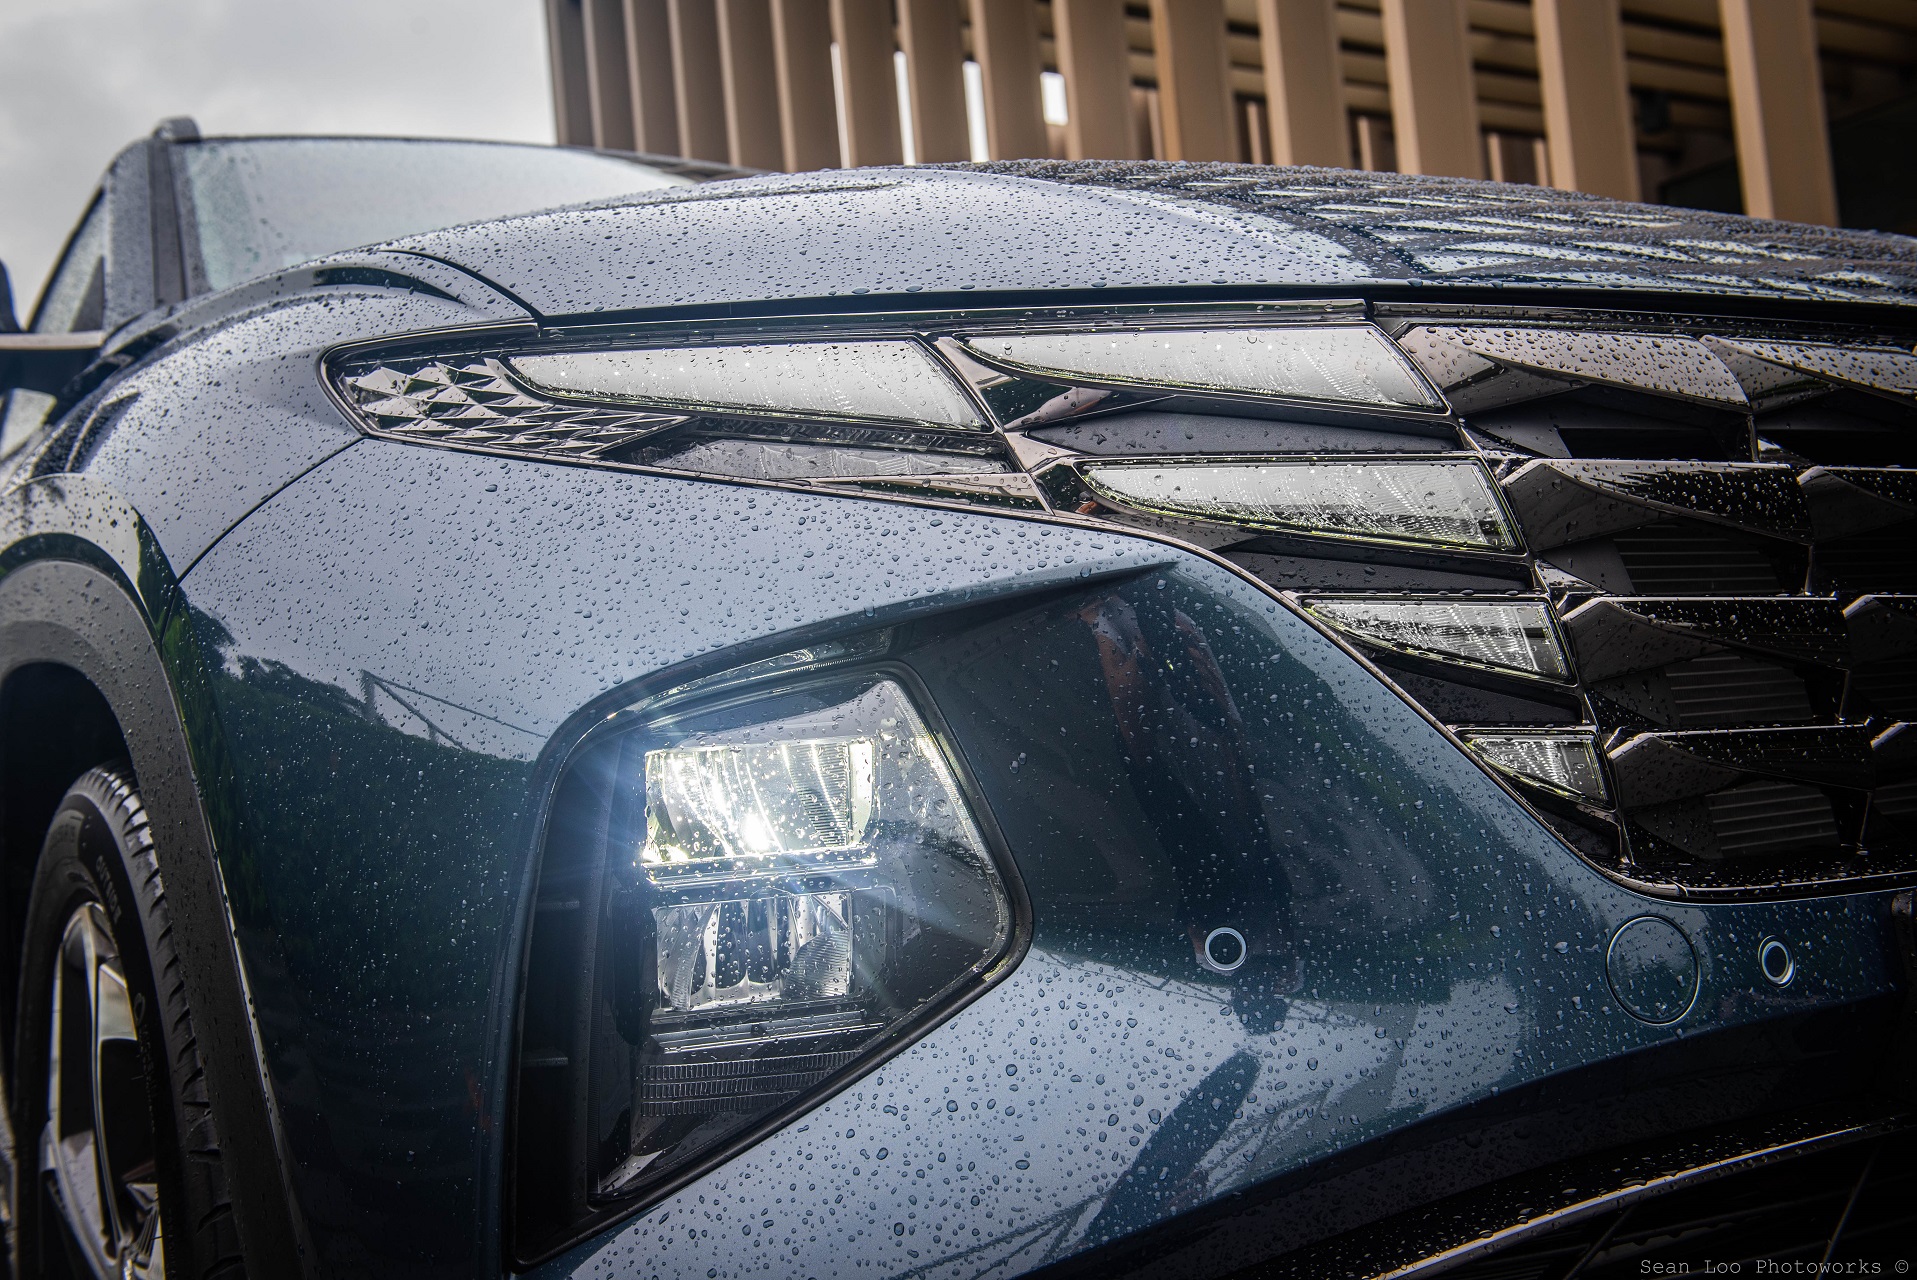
x=79 y=79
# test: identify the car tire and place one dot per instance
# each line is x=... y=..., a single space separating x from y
x=137 y=1178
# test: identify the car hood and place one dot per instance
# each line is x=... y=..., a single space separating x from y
x=1050 y=225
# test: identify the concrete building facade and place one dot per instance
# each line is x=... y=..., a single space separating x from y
x=1796 y=109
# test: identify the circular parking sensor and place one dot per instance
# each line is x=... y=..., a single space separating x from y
x=1775 y=959
x=1224 y=950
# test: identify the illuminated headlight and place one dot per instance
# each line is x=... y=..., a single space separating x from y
x=786 y=883
x=746 y=808
x=1516 y=637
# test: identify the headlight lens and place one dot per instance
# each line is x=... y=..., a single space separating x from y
x=1370 y=500
x=785 y=883
x=891 y=382
x=1352 y=364
x=1516 y=637
x=1566 y=763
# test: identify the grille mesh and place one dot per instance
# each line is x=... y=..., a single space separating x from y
x=1720 y=519
x=1751 y=601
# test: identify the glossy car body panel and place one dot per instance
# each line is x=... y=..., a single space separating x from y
x=1449 y=950
x=1091 y=225
x=422 y=716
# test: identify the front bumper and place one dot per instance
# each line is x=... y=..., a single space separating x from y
x=1431 y=957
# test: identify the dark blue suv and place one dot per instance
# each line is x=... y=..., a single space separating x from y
x=1088 y=718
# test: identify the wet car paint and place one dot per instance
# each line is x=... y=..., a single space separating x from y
x=382 y=663
x=1447 y=946
x=1028 y=226
x=1436 y=945
x=386 y=746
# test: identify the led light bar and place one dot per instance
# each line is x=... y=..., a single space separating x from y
x=896 y=382
x=1566 y=763
x=755 y=808
x=780 y=947
x=1419 y=503
x=1515 y=637
x=1350 y=364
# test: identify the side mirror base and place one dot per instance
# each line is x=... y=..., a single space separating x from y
x=45 y=361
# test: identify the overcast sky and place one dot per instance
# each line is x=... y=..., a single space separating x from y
x=79 y=79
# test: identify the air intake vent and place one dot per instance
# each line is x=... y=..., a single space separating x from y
x=1683 y=558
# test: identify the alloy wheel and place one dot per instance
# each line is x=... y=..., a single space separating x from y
x=97 y=1152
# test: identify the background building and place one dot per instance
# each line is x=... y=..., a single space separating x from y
x=1787 y=108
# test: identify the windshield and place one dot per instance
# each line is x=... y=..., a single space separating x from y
x=264 y=203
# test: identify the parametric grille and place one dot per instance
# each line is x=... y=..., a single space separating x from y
x=1705 y=672
x=1658 y=572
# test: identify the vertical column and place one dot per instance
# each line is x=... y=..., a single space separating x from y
x=1095 y=59
x=1194 y=79
x=1587 y=99
x=751 y=84
x=808 y=109
x=696 y=76
x=863 y=30
x=935 y=79
x=655 y=102
x=1304 y=82
x=1434 y=100
x=1377 y=149
x=1005 y=41
x=1777 y=109
x=1515 y=157
x=605 y=23
x=571 y=87
x=1148 y=128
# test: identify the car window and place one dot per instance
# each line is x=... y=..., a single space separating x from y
x=259 y=204
x=75 y=296
x=74 y=299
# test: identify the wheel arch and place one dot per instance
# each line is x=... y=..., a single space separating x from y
x=54 y=725
x=75 y=639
